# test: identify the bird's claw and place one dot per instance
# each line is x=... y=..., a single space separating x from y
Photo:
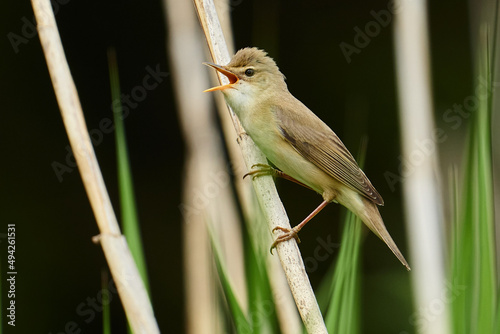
x=261 y=171
x=289 y=234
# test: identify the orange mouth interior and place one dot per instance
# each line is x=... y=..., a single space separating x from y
x=231 y=76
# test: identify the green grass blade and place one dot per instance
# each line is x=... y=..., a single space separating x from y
x=462 y=252
x=497 y=320
x=473 y=244
x=262 y=313
x=461 y=248
x=343 y=311
x=324 y=291
x=237 y=315
x=343 y=314
x=486 y=232
x=130 y=222
x=106 y=308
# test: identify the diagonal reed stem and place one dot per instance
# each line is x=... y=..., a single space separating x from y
x=267 y=195
x=126 y=276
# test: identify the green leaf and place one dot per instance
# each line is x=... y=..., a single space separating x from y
x=262 y=313
x=237 y=315
x=106 y=309
x=130 y=221
x=473 y=239
x=343 y=312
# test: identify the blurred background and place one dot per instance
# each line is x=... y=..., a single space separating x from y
x=59 y=268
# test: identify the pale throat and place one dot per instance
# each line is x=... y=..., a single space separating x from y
x=242 y=97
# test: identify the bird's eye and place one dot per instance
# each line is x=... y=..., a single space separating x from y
x=249 y=72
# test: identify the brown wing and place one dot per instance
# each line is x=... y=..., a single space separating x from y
x=328 y=153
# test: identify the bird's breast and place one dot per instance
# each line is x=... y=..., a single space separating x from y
x=260 y=123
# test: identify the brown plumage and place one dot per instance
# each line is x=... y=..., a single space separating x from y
x=296 y=141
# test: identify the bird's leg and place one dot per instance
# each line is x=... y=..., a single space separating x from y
x=292 y=233
x=268 y=170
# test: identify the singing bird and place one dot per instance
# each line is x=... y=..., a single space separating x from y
x=297 y=142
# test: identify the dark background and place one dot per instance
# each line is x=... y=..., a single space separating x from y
x=59 y=268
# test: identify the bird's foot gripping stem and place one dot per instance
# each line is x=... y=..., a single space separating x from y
x=261 y=170
x=289 y=234
x=264 y=169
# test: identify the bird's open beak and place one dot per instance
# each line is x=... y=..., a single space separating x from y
x=230 y=75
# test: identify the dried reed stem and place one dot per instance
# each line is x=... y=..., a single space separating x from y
x=127 y=278
x=267 y=195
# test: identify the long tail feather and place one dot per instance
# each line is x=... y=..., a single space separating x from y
x=369 y=214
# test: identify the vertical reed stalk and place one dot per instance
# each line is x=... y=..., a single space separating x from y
x=207 y=179
x=421 y=186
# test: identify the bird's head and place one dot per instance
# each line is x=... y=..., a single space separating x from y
x=251 y=72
